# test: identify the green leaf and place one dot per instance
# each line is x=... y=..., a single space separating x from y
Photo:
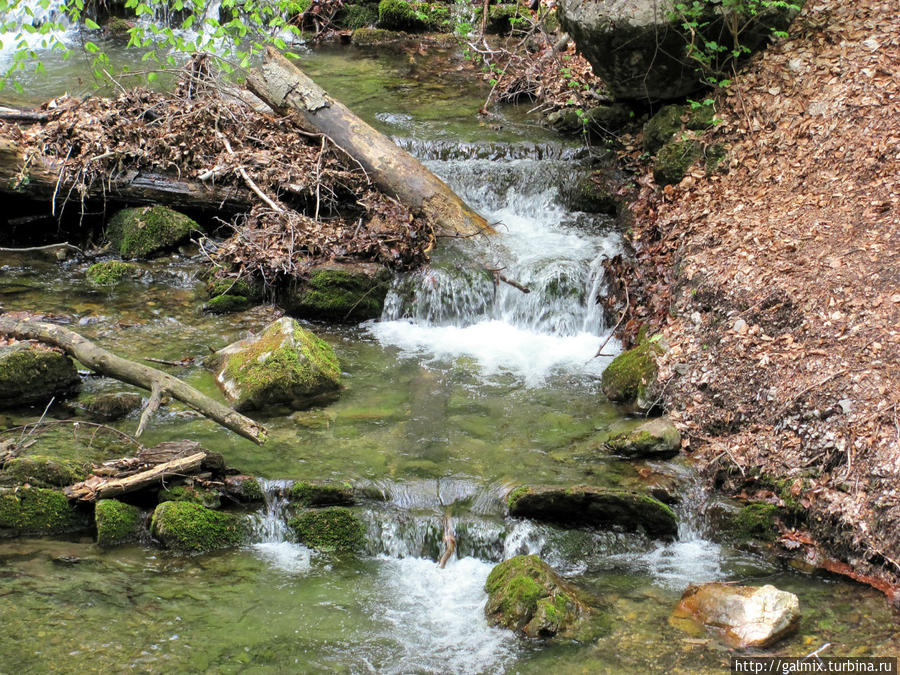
x=91 y=47
x=91 y=24
x=152 y=77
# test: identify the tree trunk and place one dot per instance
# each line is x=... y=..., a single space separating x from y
x=287 y=89
x=39 y=179
x=137 y=374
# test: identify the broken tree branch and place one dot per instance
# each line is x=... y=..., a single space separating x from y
x=104 y=488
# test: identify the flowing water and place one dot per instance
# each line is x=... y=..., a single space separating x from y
x=461 y=390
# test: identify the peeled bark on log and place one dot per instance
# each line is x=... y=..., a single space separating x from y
x=38 y=177
x=286 y=88
x=106 y=363
x=104 y=488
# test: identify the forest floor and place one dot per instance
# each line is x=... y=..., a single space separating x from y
x=779 y=289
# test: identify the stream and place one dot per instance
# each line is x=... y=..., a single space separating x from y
x=461 y=390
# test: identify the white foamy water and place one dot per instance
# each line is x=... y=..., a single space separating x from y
x=285 y=555
x=434 y=621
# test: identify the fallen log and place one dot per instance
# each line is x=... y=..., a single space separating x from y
x=95 y=488
x=40 y=178
x=109 y=364
x=287 y=89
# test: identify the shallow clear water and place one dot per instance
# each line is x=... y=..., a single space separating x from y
x=462 y=390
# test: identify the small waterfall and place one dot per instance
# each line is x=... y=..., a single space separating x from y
x=270 y=530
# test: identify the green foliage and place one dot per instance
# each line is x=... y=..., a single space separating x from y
x=330 y=529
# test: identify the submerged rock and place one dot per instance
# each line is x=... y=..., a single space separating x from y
x=148 y=230
x=227 y=304
x=285 y=364
x=745 y=616
x=117 y=522
x=341 y=292
x=34 y=373
x=630 y=375
x=594 y=507
x=227 y=295
x=36 y=511
x=186 y=526
x=107 y=407
x=330 y=529
x=110 y=272
x=657 y=438
x=321 y=494
x=527 y=596
x=44 y=471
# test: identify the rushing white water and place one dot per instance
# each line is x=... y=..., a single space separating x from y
x=455 y=308
x=270 y=531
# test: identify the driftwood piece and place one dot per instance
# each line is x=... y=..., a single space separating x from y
x=95 y=488
x=38 y=177
x=106 y=363
x=287 y=89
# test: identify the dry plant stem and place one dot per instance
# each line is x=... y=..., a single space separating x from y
x=76 y=423
x=137 y=374
x=48 y=247
x=616 y=327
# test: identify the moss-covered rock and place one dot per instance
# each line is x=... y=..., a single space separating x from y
x=376 y=37
x=285 y=364
x=106 y=407
x=111 y=272
x=590 y=193
x=594 y=507
x=117 y=27
x=243 y=489
x=321 y=494
x=674 y=159
x=34 y=373
x=117 y=523
x=148 y=230
x=629 y=376
x=527 y=596
x=353 y=17
x=341 y=292
x=185 y=526
x=229 y=286
x=400 y=15
x=501 y=17
x=43 y=471
x=191 y=493
x=330 y=529
x=656 y=438
x=660 y=128
x=36 y=511
x=227 y=304
x=756 y=521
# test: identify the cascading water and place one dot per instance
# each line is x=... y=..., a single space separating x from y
x=269 y=530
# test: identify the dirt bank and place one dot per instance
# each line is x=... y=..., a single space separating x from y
x=778 y=289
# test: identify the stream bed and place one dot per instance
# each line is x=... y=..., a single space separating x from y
x=461 y=390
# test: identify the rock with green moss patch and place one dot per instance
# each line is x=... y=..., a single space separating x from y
x=400 y=15
x=674 y=159
x=330 y=529
x=585 y=505
x=106 y=407
x=630 y=376
x=44 y=471
x=185 y=526
x=660 y=128
x=117 y=27
x=117 y=522
x=656 y=438
x=284 y=365
x=321 y=494
x=111 y=272
x=243 y=489
x=376 y=37
x=34 y=373
x=527 y=596
x=227 y=304
x=341 y=292
x=228 y=286
x=36 y=511
x=756 y=521
x=148 y=230
x=353 y=17
x=590 y=193
x=501 y=17
x=191 y=493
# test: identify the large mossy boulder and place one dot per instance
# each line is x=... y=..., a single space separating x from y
x=107 y=406
x=44 y=471
x=321 y=494
x=117 y=522
x=630 y=376
x=148 y=230
x=340 y=292
x=744 y=616
x=33 y=373
x=639 y=47
x=36 y=511
x=284 y=365
x=527 y=596
x=654 y=439
x=401 y=15
x=185 y=526
x=330 y=529
x=585 y=505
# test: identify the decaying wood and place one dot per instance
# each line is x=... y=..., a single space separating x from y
x=287 y=89
x=16 y=115
x=37 y=177
x=109 y=364
x=449 y=542
x=102 y=488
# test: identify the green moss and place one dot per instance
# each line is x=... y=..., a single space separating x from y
x=186 y=526
x=757 y=521
x=36 y=511
x=628 y=376
x=251 y=491
x=341 y=295
x=106 y=407
x=330 y=529
x=117 y=27
x=590 y=194
x=358 y=16
x=374 y=37
x=714 y=156
x=319 y=494
x=657 y=437
x=31 y=373
x=674 y=159
x=660 y=128
x=148 y=230
x=110 y=272
x=515 y=495
x=189 y=493
x=117 y=522
x=400 y=15
x=42 y=471
x=501 y=18
x=230 y=286
x=227 y=304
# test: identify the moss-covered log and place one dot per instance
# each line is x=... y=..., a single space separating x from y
x=288 y=90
